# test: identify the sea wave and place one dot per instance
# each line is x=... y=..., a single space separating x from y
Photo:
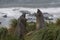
x=10 y=12
x=16 y=14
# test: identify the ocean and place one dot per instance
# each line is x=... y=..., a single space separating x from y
x=49 y=6
x=30 y=3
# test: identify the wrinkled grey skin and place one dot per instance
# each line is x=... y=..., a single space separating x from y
x=21 y=26
x=39 y=20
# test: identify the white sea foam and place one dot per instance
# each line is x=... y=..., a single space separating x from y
x=16 y=13
x=10 y=12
